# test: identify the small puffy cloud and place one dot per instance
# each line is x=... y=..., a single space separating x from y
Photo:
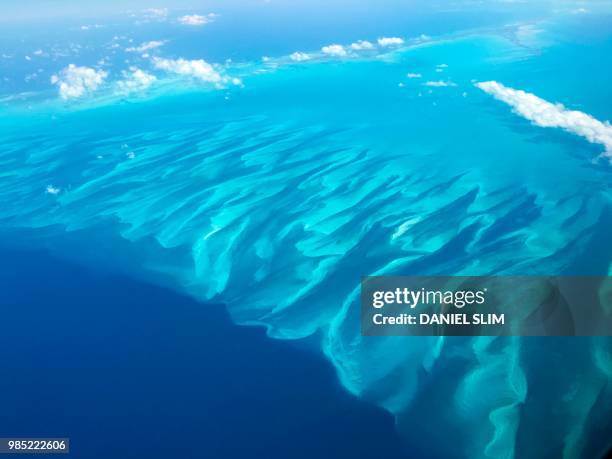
x=545 y=114
x=156 y=13
x=414 y=75
x=38 y=52
x=390 y=41
x=199 y=69
x=52 y=190
x=196 y=19
x=146 y=46
x=135 y=80
x=74 y=81
x=361 y=45
x=440 y=84
x=299 y=57
x=334 y=50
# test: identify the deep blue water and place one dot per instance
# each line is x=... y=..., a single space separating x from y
x=130 y=370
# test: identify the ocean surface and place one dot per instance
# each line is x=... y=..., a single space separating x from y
x=126 y=369
x=272 y=181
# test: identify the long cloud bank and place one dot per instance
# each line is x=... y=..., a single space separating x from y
x=78 y=81
x=546 y=114
x=198 y=69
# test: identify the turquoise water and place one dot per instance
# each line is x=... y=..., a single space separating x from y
x=276 y=195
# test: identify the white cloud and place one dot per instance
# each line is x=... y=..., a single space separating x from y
x=390 y=41
x=414 y=75
x=196 y=19
x=146 y=46
x=440 y=84
x=52 y=189
x=299 y=57
x=38 y=52
x=545 y=114
x=76 y=81
x=442 y=66
x=156 y=13
x=135 y=80
x=334 y=50
x=361 y=45
x=199 y=69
